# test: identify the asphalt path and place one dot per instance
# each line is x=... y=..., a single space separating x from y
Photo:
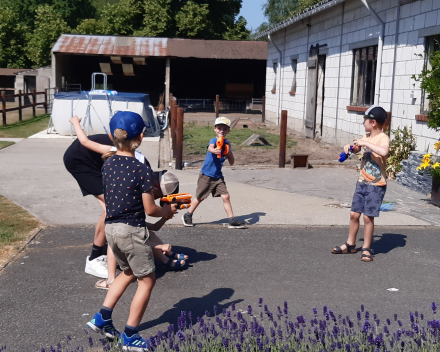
x=45 y=294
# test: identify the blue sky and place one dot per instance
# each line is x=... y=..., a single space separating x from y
x=252 y=12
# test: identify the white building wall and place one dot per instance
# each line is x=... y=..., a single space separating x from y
x=357 y=25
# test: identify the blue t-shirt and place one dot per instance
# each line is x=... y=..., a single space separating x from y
x=212 y=166
x=125 y=179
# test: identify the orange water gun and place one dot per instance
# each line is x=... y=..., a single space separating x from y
x=220 y=144
x=183 y=200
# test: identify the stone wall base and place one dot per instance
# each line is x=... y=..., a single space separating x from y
x=417 y=180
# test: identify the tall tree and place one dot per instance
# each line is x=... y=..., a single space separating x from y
x=278 y=10
x=48 y=27
x=122 y=18
x=192 y=21
x=71 y=11
x=12 y=39
x=157 y=19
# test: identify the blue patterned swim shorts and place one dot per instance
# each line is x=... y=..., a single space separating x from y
x=367 y=199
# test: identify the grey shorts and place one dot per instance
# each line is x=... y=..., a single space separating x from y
x=210 y=185
x=131 y=248
x=367 y=199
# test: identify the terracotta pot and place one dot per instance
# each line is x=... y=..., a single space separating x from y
x=435 y=193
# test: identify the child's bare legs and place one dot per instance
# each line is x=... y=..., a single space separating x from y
x=117 y=288
x=353 y=229
x=194 y=204
x=227 y=205
x=141 y=299
x=368 y=235
x=99 y=239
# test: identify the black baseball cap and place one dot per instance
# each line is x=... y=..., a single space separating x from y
x=375 y=112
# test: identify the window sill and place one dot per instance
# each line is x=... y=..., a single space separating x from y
x=357 y=108
x=273 y=91
x=292 y=92
x=422 y=117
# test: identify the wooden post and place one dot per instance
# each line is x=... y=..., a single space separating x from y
x=34 y=98
x=4 y=107
x=179 y=139
x=217 y=106
x=20 y=112
x=283 y=133
x=173 y=127
x=171 y=102
x=45 y=101
x=263 y=110
x=167 y=82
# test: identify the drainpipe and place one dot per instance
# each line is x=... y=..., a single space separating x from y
x=279 y=78
x=379 y=51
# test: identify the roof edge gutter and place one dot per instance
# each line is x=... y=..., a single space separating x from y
x=379 y=52
x=279 y=77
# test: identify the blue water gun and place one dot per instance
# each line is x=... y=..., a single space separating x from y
x=344 y=156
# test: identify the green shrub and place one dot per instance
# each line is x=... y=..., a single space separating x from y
x=400 y=146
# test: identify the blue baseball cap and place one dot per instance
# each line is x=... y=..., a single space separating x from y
x=128 y=121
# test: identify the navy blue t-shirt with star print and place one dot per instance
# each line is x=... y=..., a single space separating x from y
x=125 y=179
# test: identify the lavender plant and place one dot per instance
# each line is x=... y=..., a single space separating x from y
x=262 y=330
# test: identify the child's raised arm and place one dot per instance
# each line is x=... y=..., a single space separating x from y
x=212 y=149
x=85 y=141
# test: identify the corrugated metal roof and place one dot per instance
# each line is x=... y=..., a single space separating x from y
x=11 y=71
x=312 y=10
x=159 y=47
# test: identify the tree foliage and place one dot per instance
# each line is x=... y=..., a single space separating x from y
x=429 y=80
x=48 y=27
x=192 y=21
x=12 y=39
x=278 y=10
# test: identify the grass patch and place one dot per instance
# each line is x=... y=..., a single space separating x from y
x=4 y=144
x=24 y=129
x=196 y=138
x=15 y=223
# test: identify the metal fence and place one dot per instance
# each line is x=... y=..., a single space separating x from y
x=243 y=106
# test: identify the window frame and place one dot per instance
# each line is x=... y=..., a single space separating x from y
x=363 y=77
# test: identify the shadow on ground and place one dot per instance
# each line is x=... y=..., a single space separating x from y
x=386 y=242
x=250 y=219
x=196 y=305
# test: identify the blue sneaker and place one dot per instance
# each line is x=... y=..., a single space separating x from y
x=136 y=343
x=104 y=327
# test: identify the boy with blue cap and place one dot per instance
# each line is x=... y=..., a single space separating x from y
x=128 y=192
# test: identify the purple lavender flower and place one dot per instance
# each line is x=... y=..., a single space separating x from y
x=388 y=321
x=366 y=326
x=399 y=322
x=358 y=315
x=233 y=306
x=385 y=330
x=434 y=307
x=347 y=348
x=411 y=317
x=238 y=347
x=260 y=302
x=324 y=310
x=362 y=308
x=395 y=317
x=176 y=347
x=367 y=315
x=315 y=311
x=286 y=310
x=249 y=311
x=225 y=342
x=200 y=345
x=90 y=342
x=421 y=316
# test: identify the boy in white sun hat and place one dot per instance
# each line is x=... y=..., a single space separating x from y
x=211 y=180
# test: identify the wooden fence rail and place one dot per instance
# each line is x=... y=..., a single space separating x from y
x=20 y=106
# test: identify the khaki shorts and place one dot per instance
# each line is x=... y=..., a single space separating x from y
x=210 y=185
x=131 y=248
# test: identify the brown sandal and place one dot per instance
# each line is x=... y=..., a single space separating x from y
x=349 y=250
x=367 y=257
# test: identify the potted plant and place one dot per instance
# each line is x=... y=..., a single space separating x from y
x=431 y=164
